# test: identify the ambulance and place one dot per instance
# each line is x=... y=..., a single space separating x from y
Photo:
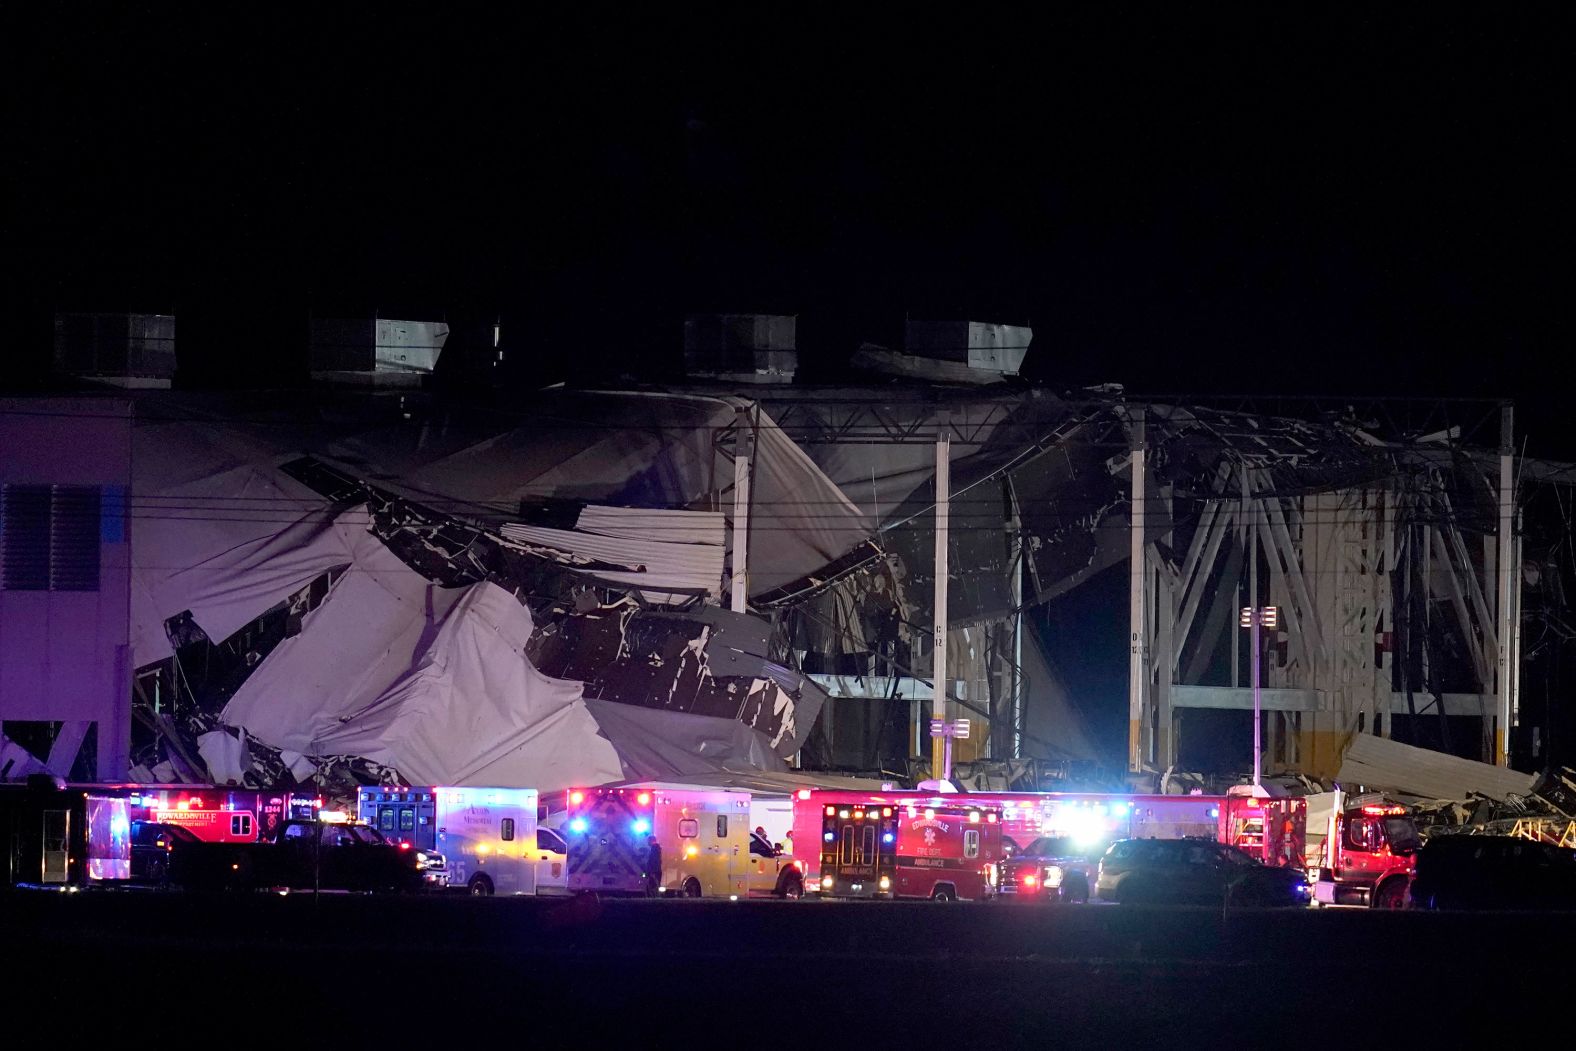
x=490 y=837
x=707 y=846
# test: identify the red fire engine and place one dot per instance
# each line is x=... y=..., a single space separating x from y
x=1271 y=829
x=938 y=849
x=1369 y=852
x=1091 y=817
x=221 y=815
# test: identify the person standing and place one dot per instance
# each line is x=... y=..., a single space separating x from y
x=653 y=866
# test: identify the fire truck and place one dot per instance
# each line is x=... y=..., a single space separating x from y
x=937 y=849
x=1272 y=829
x=1367 y=853
x=1089 y=818
x=704 y=835
x=220 y=815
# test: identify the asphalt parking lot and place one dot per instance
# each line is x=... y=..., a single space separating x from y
x=636 y=971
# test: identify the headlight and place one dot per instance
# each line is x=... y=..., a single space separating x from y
x=1053 y=875
x=885 y=884
x=827 y=882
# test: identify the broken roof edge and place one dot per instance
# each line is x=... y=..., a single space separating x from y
x=1381 y=763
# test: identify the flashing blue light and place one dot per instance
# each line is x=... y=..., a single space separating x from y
x=577 y=825
x=829 y=836
x=1119 y=808
x=886 y=837
x=1214 y=811
x=642 y=825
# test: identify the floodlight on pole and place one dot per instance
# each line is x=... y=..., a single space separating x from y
x=1255 y=617
x=946 y=731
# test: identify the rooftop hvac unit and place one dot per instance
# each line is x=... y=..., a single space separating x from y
x=742 y=348
x=976 y=344
x=376 y=349
x=132 y=350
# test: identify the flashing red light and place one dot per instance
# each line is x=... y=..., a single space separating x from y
x=804 y=793
x=1378 y=809
x=886 y=811
x=404 y=846
x=831 y=811
x=990 y=818
x=643 y=798
x=576 y=798
x=1029 y=881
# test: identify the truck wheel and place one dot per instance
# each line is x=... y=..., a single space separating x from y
x=692 y=888
x=480 y=886
x=1390 y=895
x=793 y=889
x=944 y=893
x=1076 y=890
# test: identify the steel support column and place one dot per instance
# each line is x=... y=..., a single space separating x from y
x=938 y=702
x=1506 y=606
x=1137 y=622
x=741 y=512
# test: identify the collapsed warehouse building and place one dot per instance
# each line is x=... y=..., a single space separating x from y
x=1373 y=529
x=546 y=591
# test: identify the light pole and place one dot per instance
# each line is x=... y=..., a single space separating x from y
x=1255 y=617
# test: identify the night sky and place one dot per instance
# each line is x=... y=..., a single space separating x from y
x=1355 y=206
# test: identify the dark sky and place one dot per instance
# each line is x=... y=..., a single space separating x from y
x=1353 y=206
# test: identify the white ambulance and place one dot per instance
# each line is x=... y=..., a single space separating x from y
x=491 y=835
x=706 y=837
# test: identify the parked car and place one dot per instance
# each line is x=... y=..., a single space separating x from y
x=1494 y=872
x=1194 y=872
x=152 y=845
x=1051 y=868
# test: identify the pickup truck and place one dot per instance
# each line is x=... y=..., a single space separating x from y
x=1050 y=869
x=307 y=855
